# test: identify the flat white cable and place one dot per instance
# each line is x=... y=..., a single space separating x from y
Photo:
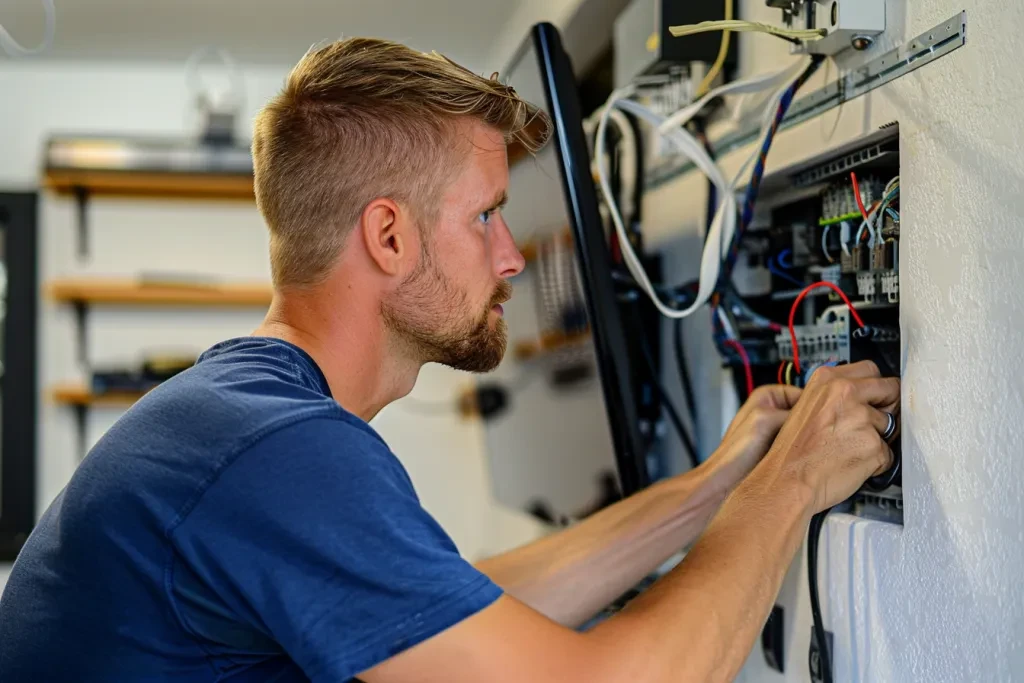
x=740 y=25
x=724 y=219
x=15 y=49
x=629 y=158
x=749 y=85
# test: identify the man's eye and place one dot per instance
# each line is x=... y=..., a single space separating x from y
x=485 y=217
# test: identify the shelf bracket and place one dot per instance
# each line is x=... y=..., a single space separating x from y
x=82 y=200
x=81 y=331
x=81 y=411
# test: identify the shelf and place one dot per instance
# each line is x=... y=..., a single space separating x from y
x=551 y=341
x=131 y=292
x=158 y=185
x=80 y=395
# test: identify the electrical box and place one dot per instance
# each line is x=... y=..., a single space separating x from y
x=644 y=46
x=848 y=23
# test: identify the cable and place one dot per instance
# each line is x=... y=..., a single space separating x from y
x=745 y=359
x=722 y=228
x=813 y=537
x=892 y=214
x=796 y=305
x=723 y=52
x=670 y=408
x=844 y=236
x=781 y=273
x=782 y=369
x=824 y=244
x=684 y=372
x=856 y=196
x=746 y=26
x=789 y=374
x=15 y=49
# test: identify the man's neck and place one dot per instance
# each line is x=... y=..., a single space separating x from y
x=350 y=345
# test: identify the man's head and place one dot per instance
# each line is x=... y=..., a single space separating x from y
x=378 y=156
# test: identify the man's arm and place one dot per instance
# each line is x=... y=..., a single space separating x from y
x=700 y=621
x=571 y=575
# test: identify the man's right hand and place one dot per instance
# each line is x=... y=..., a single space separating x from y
x=832 y=440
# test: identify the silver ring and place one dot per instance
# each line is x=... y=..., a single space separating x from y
x=890 y=428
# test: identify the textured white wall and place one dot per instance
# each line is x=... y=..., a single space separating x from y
x=223 y=239
x=940 y=599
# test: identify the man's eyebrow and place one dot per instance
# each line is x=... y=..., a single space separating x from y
x=500 y=202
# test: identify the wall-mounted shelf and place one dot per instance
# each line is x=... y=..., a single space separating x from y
x=142 y=293
x=81 y=396
x=73 y=182
x=548 y=342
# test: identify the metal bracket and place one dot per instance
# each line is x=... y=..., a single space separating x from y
x=925 y=48
x=82 y=197
x=81 y=310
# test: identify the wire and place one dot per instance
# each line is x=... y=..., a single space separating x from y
x=824 y=244
x=684 y=373
x=668 y=405
x=813 y=537
x=856 y=196
x=892 y=214
x=781 y=273
x=746 y=26
x=745 y=359
x=796 y=304
x=782 y=369
x=723 y=225
x=723 y=52
x=15 y=49
x=844 y=236
x=789 y=374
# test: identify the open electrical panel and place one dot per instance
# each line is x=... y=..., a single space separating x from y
x=810 y=228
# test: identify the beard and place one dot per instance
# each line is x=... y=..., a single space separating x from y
x=429 y=316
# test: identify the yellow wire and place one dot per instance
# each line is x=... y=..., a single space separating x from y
x=789 y=374
x=723 y=52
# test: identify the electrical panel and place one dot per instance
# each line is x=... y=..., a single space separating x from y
x=813 y=229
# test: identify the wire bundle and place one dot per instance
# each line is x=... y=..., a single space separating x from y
x=740 y=25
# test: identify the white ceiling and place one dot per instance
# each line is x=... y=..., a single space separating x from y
x=255 y=31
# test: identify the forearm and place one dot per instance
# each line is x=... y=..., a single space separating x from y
x=703 y=618
x=571 y=575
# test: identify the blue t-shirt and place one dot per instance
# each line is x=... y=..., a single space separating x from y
x=236 y=524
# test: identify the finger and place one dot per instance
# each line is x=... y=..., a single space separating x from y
x=880 y=391
x=879 y=419
x=889 y=460
x=781 y=396
x=864 y=369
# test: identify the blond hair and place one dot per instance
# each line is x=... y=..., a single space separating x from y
x=364 y=118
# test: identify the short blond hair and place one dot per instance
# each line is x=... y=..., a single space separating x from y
x=363 y=118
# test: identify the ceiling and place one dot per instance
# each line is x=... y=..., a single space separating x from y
x=255 y=31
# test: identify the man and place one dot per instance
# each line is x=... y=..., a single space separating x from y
x=243 y=522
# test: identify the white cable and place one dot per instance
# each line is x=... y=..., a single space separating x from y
x=722 y=227
x=844 y=236
x=629 y=156
x=750 y=85
x=750 y=26
x=824 y=244
x=14 y=49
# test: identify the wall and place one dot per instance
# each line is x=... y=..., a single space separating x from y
x=938 y=600
x=222 y=239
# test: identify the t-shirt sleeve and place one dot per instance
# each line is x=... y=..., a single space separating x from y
x=316 y=537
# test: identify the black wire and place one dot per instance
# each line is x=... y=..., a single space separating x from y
x=813 y=535
x=684 y=371
x=670 y=408
x=788 y=39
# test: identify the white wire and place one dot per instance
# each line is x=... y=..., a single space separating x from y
x=844 y=237
x=741 y=25
x=750 y=85
x=14 y=49
x=629 y=159
x=824 y=244
x=722 y=227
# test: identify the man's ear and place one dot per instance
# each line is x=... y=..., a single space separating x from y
x=388 y=235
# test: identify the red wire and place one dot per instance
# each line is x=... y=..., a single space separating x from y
x=856 y=195
x=796 y=305
x=733 y=344
x=782 y=369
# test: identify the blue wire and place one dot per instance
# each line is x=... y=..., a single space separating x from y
x=785 y=252
x=892 y=214
x=783 y=274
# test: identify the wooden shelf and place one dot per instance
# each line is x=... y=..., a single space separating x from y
x=150 y=184
x=79 y=395
x=551 y=341
x=130 y=292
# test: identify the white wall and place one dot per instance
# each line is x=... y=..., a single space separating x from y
x=223 y=239
x=938 y=600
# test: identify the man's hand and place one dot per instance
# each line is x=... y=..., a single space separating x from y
x=832 y=440
x=753 y=430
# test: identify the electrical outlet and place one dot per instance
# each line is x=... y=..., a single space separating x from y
x=814 y=657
